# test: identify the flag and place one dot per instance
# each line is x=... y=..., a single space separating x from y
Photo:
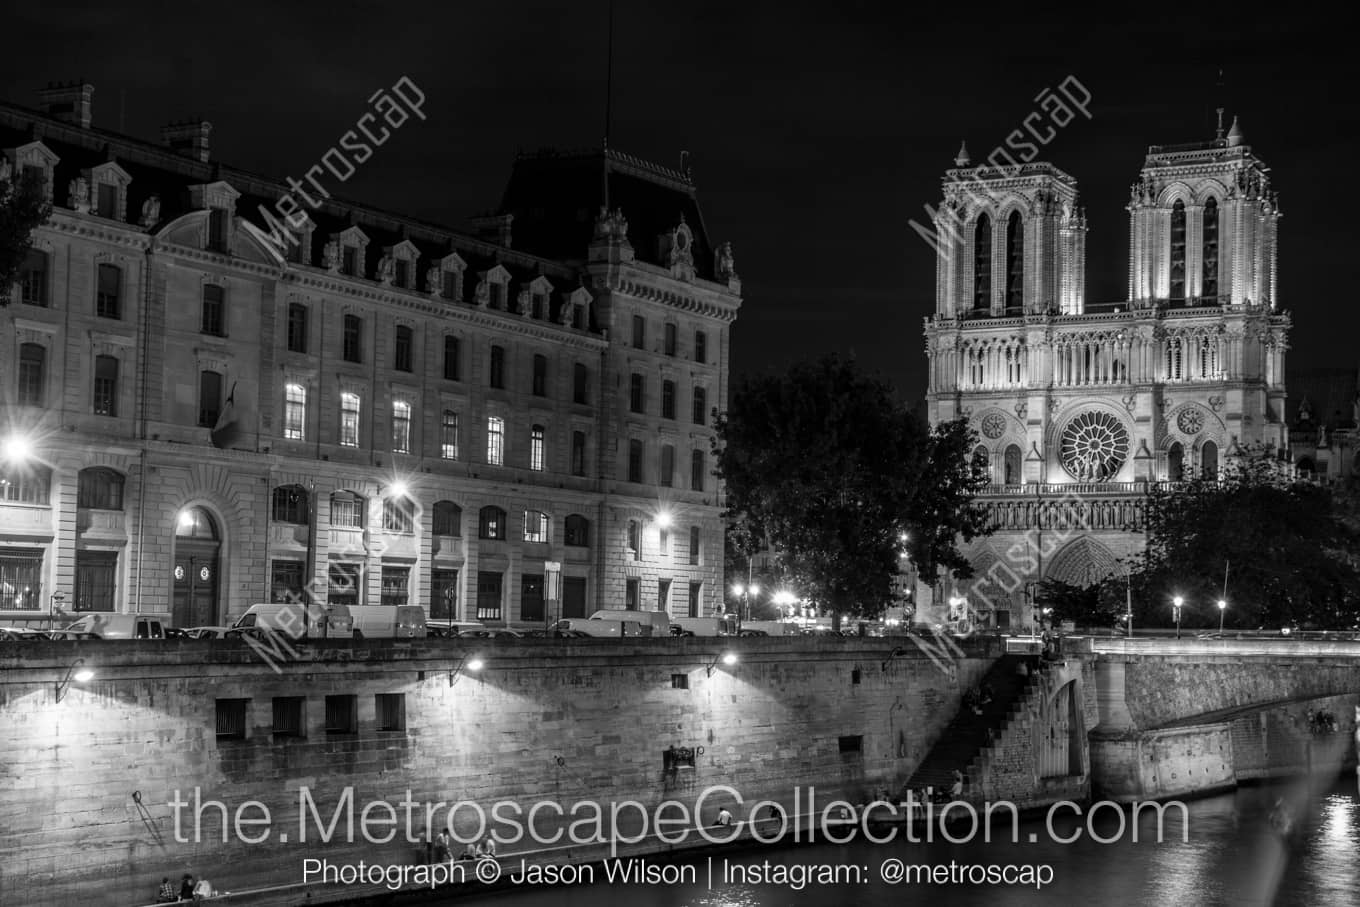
x=226 y=432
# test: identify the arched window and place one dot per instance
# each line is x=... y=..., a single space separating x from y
x=100 y=489
x=1015 y=264
x=491 y=523
x=448 y=519
x=982 y=264
x=578 y=531
x=1208 y=458
x=399 y=514
x=1175 y=463
x=1209 y=280
x=290 y=505
x=347 y=511
x=1178 y=251
x=195 y=523
x=982 y=461
x=1013 y=465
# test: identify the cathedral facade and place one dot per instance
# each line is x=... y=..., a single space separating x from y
x=1081 y=408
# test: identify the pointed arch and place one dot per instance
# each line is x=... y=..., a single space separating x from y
x=1015 y=264
x=1209 y=251
x=1082 y=562
x=982 y=263
x=1175 y=463
x=1208 y=459
x=1176 y=259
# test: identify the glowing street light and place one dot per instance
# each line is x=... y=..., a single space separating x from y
x=1176 y=604
x=1222 y=610
x=664 y=519
x=17 y=448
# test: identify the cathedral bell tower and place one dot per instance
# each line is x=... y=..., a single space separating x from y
x=1202 y=226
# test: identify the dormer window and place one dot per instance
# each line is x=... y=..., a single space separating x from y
x=451 y=268
x=349 y=261
x=36 y=161
x=219 y=199
x=497 y=295
x=110 y=184
x=353 y=245
x=402 y=259
x=497 y=283
x=401 y=273
x=539 y=308
x=219 y=220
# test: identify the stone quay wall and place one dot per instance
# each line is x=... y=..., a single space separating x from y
x=89 y=771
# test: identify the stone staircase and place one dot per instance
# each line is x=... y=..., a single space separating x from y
x=964 y=742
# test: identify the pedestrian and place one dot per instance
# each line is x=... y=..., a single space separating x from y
x=724 y=817
x=489 y=847
x=166 y=895
x=186 y=888
x=956 y=790
x=202 y=891
x=442 y=852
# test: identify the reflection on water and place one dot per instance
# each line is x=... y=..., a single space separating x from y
x=1233 y=856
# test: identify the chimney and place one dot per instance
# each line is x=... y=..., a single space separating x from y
x=189 y=138
x=68 y=103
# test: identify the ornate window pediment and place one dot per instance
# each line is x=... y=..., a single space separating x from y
x=35 y=154
x=220 y=194
x=108 y=190
x=398 y=265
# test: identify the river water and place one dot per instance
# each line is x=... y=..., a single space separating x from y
x=1234 y=855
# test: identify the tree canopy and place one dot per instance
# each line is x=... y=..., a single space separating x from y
x=824 y=465
x=23 y=206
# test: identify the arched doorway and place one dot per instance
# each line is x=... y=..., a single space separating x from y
x=196 y=555
x=1175 y=463
x=1208 y=458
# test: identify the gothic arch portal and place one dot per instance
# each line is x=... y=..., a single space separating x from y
x=1082 y=562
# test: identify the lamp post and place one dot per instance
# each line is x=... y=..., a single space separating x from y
x=1222 y=610
x=744 y=593
x=1176 y=604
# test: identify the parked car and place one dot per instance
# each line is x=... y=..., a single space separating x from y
x=770 y=628
x=450 y=628
x=19 y=634
x=117 y=626
x=491 y=633
x=203 y=632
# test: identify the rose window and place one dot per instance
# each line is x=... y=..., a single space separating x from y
x=1190 y=421
x=1094 y=446
x=994 y=425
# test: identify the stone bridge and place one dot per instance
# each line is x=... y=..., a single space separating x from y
x=1189 y=716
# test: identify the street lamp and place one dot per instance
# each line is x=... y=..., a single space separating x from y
x=1222 y=610
x=1176 y=604
x=16 y=448
x=744 y=593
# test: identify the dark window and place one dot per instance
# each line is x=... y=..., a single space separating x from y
x=852 y=744
x=452 y=371
x=539 y=306
x=105 y=396
x=663 y=595
x=396 y=586
x=444 y=594
x=679 y=681
x=96 y=580
x=668 y=399
x=1178 y=250
x=448 y=435
x=24 y=485
x=288 y=716
x=1175 y=463
x=290 y=505
x=448 y=519
x=634 y=538
x=855 y=676
x=32 y=374
x=488 y=596
x=573 y=596
x=577 y=531
x=352 y=350
x=700 y=346
x=982 y=265
x=21 y=571
x=108 y=294
x=696 y=471
x=540 y=385
x=537 y=442
x=390 y=710
x=349 y=261
x=670 y=339
x=214 y=311
x=498 y=366
x=401 y=356
x=639 y=332
x=695 y=544
x=635 y=461
x=100 y=489
x=344 y=581
x=1209 y=279
x=631 y=591
x=106 y=201
x=286 y=582
x=1015 y=264
x=1208 y=458
x=531 y=597
x=580 y=378
x=231 y=718
x=399 y=515
x=217 y=229
x=33 y=278
x=497 y=295
x=578 y=453
x=297 y=327
x=342 y=714
x=401 y=273
x=209 y=398
x=347 y=510
x=637 y=394
x=666 y=475
x=491 y=523
x=700 y=414
x=450 y=285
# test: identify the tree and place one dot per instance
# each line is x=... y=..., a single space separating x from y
x=1089 y=607
x=23 y=206
x=824 y=464
x=1288 y=554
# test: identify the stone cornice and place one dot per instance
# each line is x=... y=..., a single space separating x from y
x=98 y=228
x=721 y=310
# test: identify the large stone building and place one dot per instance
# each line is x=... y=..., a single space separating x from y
x=200 y=414
x=1078 y=407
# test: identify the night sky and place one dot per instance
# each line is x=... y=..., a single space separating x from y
x=816 y=133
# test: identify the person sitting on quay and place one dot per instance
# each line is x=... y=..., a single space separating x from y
x=956 y=790
x=471 y=852
x=724 y=818
x=442 y=847
x=166 y=895
x=487 y=849
x=186 y=888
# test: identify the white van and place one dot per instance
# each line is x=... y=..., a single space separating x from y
x=119 y=626
x=388 y=622
x=592 y=627
x=299 y=620
x=703 y=626
x=653 y=623
x=770 y=628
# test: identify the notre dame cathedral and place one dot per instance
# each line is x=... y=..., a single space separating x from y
x=1080 y=407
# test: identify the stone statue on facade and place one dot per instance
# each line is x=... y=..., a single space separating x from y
x=387 y=269
x=432 y=280
x=481 y=294
x=151 y=212
x=330 y=256
x=725 y=265
x=79 y=194
x=6 y=170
